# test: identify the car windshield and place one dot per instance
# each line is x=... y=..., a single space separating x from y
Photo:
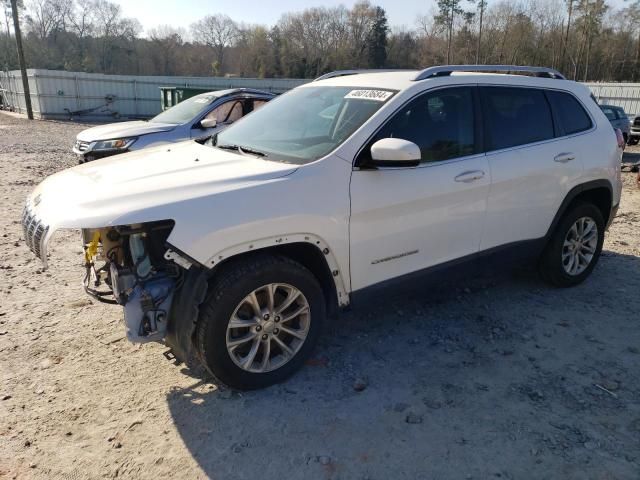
x=304 y=124
x=186 y=110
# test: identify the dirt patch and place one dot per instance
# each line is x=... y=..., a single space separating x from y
x=498 y=377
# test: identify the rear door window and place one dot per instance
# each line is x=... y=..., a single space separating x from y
x=571 y=114
x=516 y=116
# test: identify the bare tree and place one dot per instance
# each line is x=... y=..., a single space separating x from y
x=449 y=10
x=166 y=41
x=360 y=21
x=7 y=47
x=46 y=16
x=565 y=46
x=590 y=23
x=115 y=33
x=217 y=31
x=632 y=14
x=482 y=5
x=81 y=18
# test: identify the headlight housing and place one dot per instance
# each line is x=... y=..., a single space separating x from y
x=115 y=144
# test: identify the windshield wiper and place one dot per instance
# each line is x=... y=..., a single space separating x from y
x=242 y=149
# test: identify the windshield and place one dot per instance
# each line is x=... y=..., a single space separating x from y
x=304 y=124
x=186 y=110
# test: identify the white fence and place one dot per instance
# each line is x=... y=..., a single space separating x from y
x=92 y=96
x=625 y=95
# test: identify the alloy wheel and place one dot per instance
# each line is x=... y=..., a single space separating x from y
x=579 y=246
x=268 y=328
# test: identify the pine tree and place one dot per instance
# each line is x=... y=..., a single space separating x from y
x=448 y=10
x=377 y=40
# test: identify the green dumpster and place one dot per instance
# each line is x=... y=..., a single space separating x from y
x=170 y=96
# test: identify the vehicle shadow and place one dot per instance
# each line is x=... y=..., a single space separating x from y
x=466 y=377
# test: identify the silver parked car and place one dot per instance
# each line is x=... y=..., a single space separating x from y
x=618 y=119
x=195 y=118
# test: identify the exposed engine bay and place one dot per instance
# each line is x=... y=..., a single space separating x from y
x=132 y=266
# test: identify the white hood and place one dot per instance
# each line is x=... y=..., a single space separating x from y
x=123 y=130
x=153 y=184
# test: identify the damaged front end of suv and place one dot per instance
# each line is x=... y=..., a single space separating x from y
x=138 y=214
x=126 y=265
x=132 y=266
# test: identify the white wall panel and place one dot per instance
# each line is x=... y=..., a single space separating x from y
x=63 y=95
x=625 y=95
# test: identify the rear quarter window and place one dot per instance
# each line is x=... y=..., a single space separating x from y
x=571 y=115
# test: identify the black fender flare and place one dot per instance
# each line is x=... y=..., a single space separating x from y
x=183 y=315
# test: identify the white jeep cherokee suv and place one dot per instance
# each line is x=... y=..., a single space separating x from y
x=235 y=250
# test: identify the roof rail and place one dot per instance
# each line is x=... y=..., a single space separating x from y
x=444 y=70
x=342 y=73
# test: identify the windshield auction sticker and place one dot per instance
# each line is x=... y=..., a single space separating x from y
x=377 y=95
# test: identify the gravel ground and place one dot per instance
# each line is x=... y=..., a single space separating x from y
x=495 y=377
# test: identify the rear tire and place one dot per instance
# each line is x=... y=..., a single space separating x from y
x=574 y=248
x=265 y=343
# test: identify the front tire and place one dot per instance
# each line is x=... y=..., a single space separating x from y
x=574 y=248
x=260 y=321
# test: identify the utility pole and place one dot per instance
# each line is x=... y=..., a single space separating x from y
x=23 y=68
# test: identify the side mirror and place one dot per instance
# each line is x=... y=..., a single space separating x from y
x=395 y=152
x=208 y=123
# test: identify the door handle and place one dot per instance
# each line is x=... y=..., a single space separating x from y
x=468 y=177
x=564 y=157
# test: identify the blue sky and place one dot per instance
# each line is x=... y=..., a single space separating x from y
x=181 y=13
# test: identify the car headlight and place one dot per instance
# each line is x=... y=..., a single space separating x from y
x=116 y=144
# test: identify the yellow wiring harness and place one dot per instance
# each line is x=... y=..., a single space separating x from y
x=92 y=249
